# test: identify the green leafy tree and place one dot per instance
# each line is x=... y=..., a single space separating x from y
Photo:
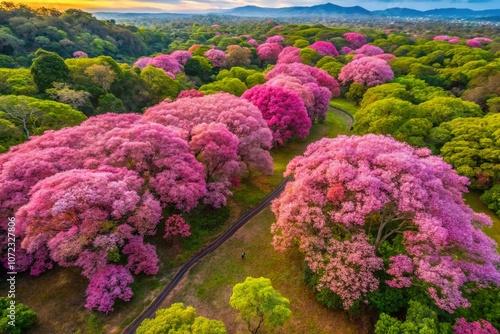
x=474 y=148
x=228 y=85
x=33 y=116
x=160 y=85
x=102 y=75
x=492 y=198
x=24 y=317
x=179 y=320
x=110 y=103
x=420 y=319
x=48 y=67
x=259 y=303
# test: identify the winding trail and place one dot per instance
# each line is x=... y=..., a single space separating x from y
x=149 y=312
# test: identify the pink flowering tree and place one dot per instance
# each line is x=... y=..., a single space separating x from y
x=80 y=54
x=276 y=39
x=283 y=111
x=359 y=205
x=355 y=40
x=217 y=57
x=369 y=50
x=269 y=52
x=368 y=71
x=294 y=84
x=385 y=56
x=324 y=48
x=190 y=93
x=474 y=327
x=289 y=54
x=253 y=42
x=345 y=50
x=454 y=40
x=240 y=116
x=181 y=56
x=108 y=284
x=142 y=62
x=442 y=38
x=167 y=63
x=478 y=42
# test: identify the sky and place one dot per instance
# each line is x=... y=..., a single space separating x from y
x=183 y=6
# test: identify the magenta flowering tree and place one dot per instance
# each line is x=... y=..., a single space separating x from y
x=142 y=62
x=217 y=57
x=454 y=40
x=478 y=42
x=217 y=148
x=385 y=56
x=269 y=52
x=240 y=116
x=167 y=63
x=345 y=50
x=442 y=38
x=350 y=196
x=322 y=97
x=108 y=284
x=289 y=54
x=306 y=74
x=355 y=40
x=181 y=56
x=190 y=93
x=294 y=84
x=324 y=48
x=253 y=42
x=369 y=50
x=475 y=327
x=368 y=71
x=80 y=54
x=276 y=39
x=175 y=225
x=283 y=111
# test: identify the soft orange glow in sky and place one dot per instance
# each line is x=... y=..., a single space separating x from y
x=132 y=5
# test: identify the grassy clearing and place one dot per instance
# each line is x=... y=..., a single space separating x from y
x=472 y=199
x=208 y=286
x=345 y=105
x=59 y=296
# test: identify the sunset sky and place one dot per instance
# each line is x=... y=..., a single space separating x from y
x=208 y=5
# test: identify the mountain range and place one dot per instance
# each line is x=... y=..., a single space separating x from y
x=330 y=9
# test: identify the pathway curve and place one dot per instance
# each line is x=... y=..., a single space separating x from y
x=149 y=312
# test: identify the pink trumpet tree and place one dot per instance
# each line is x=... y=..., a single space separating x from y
x=325 y=48
x=181 y=56
x=269 y=52
x=368 y=71
x=369 y=50
x=289 y=54
x=350 y=196
x=355 y=40
x=283 y=111
x=217 y=57
x=167 y=63
x=276 y=39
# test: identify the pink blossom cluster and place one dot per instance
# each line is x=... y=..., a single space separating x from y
x=368 y=71
x=373 y=187
x=169 y=64
x=369 y=50
x=217 y=57
x=181 y=56
x=442 y=38
x=289 y=54
x=80 y=54
x=283 y=110
x=276 y=39
x=475 y=327
x=355 y=40
x=269 y=51
x=324 y=48
x=478 y=42
x=345 y=50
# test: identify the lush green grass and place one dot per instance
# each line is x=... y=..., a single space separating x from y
x=472 y=199
x=345 y=105
x=208 y=286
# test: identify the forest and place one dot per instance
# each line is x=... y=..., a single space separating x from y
x=127 y=148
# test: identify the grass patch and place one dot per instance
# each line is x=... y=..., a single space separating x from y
x=472 y=199
x=344 y=104
x=208 y=286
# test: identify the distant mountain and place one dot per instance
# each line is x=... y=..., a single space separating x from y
x=327 y=9
x=330 y=9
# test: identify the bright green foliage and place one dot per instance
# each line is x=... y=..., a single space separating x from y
x=301 y=43
x=17 y=82
x=229 y=85
x=179 y=320
x=331 y=65
x=24 y=317
x=420 y=319
x=383 y=91
x=160 y=85
x=247 y=76
x=34 y=116
x=198 y=66
x=384 y=116
x=356 y=92
x=474 y=148
x=420 y=91
x=494 y=104
x=48 y=67
x=492 y=198
x=309 y=56
x=259 y=303
x=10 y=135
x=110 y=103
x=443 y=109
